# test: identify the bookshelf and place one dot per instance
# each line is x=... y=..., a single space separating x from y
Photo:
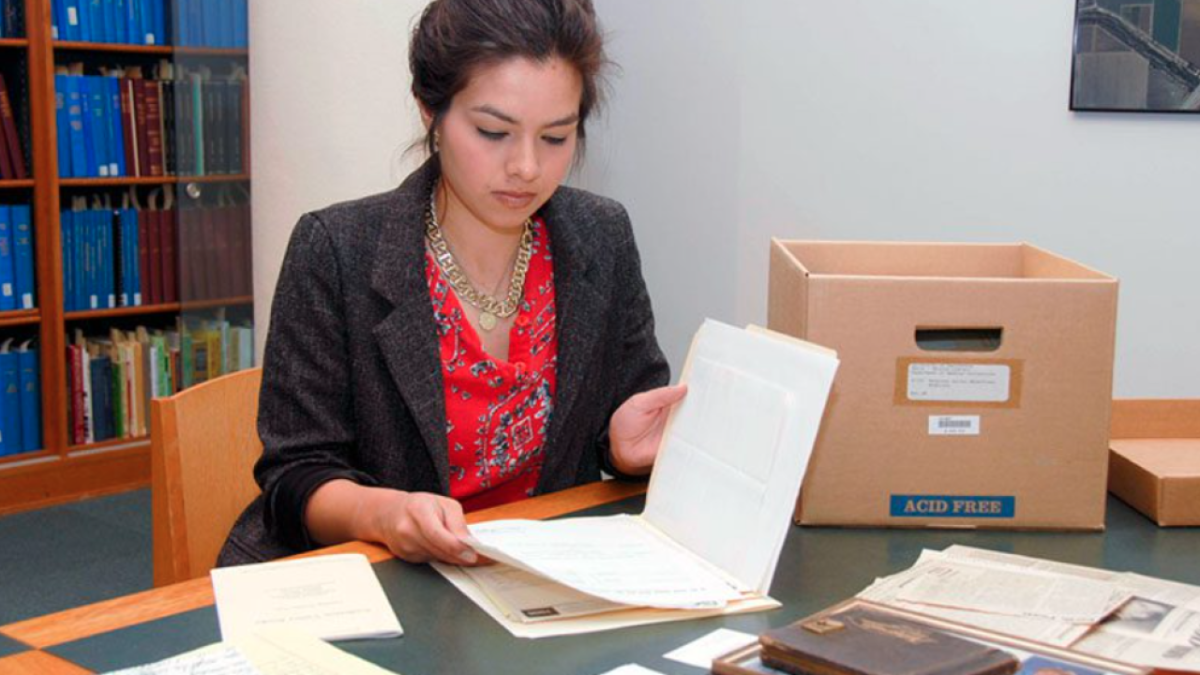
x=196 y=264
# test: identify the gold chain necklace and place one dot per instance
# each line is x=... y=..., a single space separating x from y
x=490 y=309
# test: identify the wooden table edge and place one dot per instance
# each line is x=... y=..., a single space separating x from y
x=108 y=615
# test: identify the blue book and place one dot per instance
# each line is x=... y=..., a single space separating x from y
x=196 y=23
x=22 y=225
x=129 y=227
x=74 y=31
x=8 y=291
x=212 y=23
x=110 y=21
x=99 y=121
x=103 y=259
x=10 y=401
x=94 y=284
x=120 y=22
x=144 y=20
x=56 y=19
x=114 y=120
x=83 y=8
x=131 y=22
x=79 y=160
x=68 y=260
x=31 y=399
x=89 y=135
x=224 y=23
x=62 y=125
x=95 y=15
x=241 y=25
x=158 y=23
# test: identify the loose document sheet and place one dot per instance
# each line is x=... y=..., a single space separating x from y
x=275 y=652
x=1121 y=616
x=719 y=505
x=332 y=597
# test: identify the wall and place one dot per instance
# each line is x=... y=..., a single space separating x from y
x=331 y=115
x=732 y=122
x=871 y=119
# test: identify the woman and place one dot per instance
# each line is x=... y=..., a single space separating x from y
x=476 y=336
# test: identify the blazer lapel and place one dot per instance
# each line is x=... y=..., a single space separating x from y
x=407 y=337
x=579 y=318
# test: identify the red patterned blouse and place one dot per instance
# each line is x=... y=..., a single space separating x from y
x=498 y=412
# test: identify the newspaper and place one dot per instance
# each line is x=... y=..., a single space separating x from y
x=1120 y=616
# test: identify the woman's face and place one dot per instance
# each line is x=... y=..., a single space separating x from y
x=508 y=140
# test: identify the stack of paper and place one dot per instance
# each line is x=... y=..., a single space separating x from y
x=1117 y=615
x=719 y=506
x=332 y=597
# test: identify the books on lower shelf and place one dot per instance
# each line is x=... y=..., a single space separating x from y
x=129 y=257
x=17 y=286
x=121 y=122
x=112 y=378
x=20 y=398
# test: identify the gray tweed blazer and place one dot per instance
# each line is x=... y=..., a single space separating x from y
x=352 y=382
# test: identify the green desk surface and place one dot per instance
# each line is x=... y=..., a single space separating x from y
x=446 y=634
x=9 y=646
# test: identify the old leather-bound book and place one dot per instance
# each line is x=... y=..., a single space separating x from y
x=862 y=641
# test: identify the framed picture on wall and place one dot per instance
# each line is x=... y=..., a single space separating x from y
x=1136 y=55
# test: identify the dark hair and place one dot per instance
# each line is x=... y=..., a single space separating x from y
x=453 y=38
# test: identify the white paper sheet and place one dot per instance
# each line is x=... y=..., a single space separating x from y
x=720 y=501
x=614 y=558
x=736 y=449
x=333 y=597
x=631 y=669
x=274 y=652
x=636 y=616
x=961 y=585
x=701 y=652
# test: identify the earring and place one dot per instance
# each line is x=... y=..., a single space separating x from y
x=437 y=142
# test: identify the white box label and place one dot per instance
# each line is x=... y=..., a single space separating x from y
x=954 y=425
x=965 y=382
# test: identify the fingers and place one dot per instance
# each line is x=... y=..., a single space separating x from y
x=434 y=518
x=657 y=399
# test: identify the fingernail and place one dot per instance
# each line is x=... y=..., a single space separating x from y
x=469 y=556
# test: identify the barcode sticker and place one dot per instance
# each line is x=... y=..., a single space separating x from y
x=6 y=289
x=967 y=382
x=72 y=16
x=27 y=300
x=954 y=425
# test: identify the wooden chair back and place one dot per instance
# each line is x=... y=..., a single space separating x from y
x=203 y=445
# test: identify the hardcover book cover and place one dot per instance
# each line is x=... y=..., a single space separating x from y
x=861 y=641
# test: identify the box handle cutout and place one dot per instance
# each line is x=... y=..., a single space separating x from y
x=959 y=339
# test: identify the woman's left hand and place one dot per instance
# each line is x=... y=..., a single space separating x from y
x=636 y=428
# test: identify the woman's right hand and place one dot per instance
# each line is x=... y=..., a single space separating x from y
x=421 y=526
x=415 y=526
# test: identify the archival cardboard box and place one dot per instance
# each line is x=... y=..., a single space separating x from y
x=975 y=387
x=1155 y=461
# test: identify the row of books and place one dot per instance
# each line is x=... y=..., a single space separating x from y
x=12 y=153
x=120 y=124
x=12 y=18
x=111 y=379
x=188 y=23
x=127 y=257
x=17 y=288
x=20 y=398
x=136 y=22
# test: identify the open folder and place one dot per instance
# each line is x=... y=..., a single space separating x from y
x=717 y=512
